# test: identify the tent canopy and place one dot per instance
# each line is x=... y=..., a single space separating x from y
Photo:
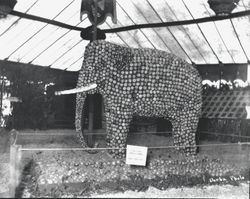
x=38 y=43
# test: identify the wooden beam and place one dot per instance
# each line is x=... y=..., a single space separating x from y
x=133 y=27
x=178 y=23
x=41 y=19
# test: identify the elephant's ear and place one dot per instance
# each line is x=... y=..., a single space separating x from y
x=122 y=56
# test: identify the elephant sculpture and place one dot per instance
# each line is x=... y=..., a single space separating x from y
x=145 y=82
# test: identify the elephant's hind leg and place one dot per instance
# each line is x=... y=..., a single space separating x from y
x=184 y=132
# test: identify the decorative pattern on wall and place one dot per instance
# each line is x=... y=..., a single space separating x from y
x=226 y=104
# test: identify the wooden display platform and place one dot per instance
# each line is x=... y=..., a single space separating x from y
x=213 y=159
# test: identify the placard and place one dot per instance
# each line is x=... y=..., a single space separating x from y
x=136 y=155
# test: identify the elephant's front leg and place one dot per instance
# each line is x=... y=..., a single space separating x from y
x=118 y=128
x=108 y=127
x=108 y=117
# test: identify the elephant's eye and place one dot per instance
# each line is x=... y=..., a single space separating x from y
x=90 y=68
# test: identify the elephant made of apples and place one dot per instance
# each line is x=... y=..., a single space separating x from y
x=143 y=82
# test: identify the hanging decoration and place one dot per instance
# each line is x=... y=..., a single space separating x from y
x=6 y=6
x=222 y=7
x=97 y=11
x=104 y=8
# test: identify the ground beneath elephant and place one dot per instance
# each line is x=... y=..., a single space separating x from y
x=214 y=191
x=62 y=168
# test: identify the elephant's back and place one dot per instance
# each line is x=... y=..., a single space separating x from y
x=166 y=78
x=163 y=66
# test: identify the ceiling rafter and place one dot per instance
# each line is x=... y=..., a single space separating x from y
x=178 y=23
x=65 y=61
x=74 y=62
x=201 y=32
x=18 y=19
x=186 y=33
x=54 y=42
x=243 y=3
x=173 y=36
x=153 y=29
x=52 y=32
x=237 y=36
x=39 y=30
x=45 y=20
x=76 y=44
x=118 y=35
x=63 y=49
x=69 y=48
x=221 y=36
x=130 y=35
x=135 y=26
x=246 y=7
x=134 y=23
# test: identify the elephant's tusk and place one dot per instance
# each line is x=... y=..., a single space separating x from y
x=76 y=90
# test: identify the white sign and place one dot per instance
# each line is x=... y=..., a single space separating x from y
x=136 y=155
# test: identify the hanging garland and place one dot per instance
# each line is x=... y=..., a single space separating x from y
x=211 y=89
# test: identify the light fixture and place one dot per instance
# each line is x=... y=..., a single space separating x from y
x=6 y=6
x=222 y=7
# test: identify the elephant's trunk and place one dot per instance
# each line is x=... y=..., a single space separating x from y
x=80 y=99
